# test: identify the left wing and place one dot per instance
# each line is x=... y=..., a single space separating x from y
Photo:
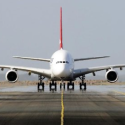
x=84 y=71
x=31 y=58
x=44 y=72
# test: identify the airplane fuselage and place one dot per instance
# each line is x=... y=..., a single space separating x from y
x=62 y=65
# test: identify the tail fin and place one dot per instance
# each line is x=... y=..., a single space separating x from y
x=61 y=44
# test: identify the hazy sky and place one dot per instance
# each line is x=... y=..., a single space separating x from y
x=90 y=28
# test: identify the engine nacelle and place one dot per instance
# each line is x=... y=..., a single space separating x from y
x=11 y=76
x=111 y=76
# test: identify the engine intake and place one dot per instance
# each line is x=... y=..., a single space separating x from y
x=11 y=76
x=111 y=76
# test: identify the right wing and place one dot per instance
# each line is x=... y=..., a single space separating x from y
x=43 y=72
x=31 y=58
x=79 y=59
x=84 y=71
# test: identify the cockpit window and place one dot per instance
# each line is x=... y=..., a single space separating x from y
x=62 y=62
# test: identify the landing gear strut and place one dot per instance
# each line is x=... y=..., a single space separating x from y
x=83 y=83
x=53 y=84
x=40 y=83
x=70 y=84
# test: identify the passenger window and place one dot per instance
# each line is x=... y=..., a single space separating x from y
x=60 y=61
x=63 y=61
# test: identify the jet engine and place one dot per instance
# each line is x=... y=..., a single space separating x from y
x=111 y=76
x=11 y=76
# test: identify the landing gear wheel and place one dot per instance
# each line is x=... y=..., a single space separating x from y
x=70 y=84
x=40 y=83
x=60 y=86
x=64 y=86
x=38 y=86
x=83 y=83
x=53 y=84
x=84 y=86
x=50 y=86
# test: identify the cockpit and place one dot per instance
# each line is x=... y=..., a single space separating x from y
x=62 y=62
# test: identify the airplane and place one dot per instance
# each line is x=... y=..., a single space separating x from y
x=62 y=68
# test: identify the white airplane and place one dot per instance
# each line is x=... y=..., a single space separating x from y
x=62 y=68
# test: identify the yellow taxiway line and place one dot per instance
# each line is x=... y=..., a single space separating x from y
x=122 y=93
x=62 y=109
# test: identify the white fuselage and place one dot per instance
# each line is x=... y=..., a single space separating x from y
x=62 y=65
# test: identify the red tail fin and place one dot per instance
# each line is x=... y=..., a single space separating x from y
x=61 y=44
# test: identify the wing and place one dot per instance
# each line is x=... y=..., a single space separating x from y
x=79 y=72
x=31 y=58
x=44 y=72
x=91 y=58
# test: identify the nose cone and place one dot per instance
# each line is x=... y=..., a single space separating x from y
x=61 y=71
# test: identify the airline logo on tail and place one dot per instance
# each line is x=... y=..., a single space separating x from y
x=61 y=44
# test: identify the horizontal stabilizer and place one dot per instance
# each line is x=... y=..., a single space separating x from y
x=91 y=58
x=31 y=58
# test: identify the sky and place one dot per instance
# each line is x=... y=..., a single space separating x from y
x=90 y=28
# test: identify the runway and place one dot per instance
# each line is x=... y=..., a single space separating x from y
x=102 y=105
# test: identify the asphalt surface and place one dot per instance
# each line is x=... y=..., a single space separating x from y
x=98 y=105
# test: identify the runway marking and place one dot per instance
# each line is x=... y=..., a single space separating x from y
x=119 y=92
x=62 y=109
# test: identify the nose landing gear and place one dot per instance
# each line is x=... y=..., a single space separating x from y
x=62 y=85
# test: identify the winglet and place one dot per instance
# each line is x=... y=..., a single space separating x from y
x=61 y=44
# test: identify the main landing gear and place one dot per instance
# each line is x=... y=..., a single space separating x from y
x=70 y=84
x=83 y=83
x=40 y=86
x=53 y=86
x=40 y=83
